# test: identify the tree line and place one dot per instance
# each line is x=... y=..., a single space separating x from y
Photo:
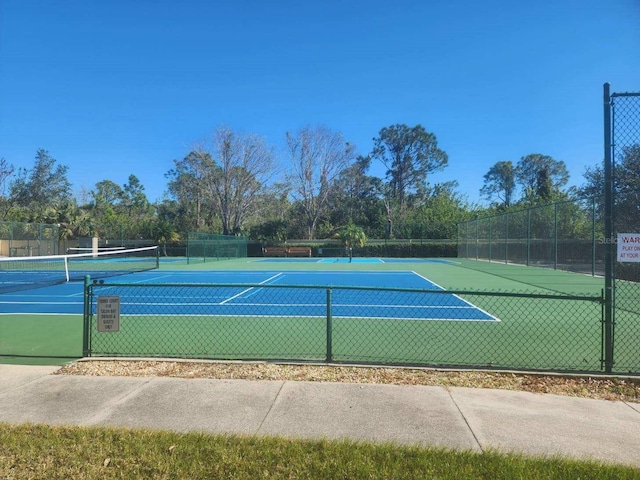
x=236 y=184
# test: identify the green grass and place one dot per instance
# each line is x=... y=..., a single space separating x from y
x=104 y=453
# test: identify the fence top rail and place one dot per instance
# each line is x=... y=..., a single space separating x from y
x=626 y=94
x=589 y=298
x=528 y=209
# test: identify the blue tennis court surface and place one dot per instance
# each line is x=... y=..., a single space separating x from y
x=268 y=293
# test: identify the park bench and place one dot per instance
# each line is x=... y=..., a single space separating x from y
x=299 y=252
x=274 y=251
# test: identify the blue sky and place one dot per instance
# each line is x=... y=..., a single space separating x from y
x=113 y=88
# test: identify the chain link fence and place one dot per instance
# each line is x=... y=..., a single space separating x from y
x=350 y=325
x=563 y=235
x=19 y=239
x=625 y=148
x=562 y=331
x=208 y=247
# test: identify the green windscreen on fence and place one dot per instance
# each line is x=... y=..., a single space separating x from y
x=207 y=247
x=19 y=239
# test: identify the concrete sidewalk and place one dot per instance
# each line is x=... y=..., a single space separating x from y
x=459 y=418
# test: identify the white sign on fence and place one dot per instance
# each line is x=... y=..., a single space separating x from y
x=628 y=247
x=109 y=314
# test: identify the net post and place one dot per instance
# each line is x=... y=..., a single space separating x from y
x=608 y=233
x=86 y=351
x=66 y=268
x=329 y=328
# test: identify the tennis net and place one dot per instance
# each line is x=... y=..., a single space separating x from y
x=21 y=273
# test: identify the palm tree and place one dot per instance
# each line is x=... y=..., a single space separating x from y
x=164 y=232
x=352 y=236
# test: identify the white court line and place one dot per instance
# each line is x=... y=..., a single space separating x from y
x=461 y=299
x=107 y=286
x=250 y=288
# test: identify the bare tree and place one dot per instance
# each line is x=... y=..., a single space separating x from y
x=234 y=169
x=317 y=157
x=6 y=171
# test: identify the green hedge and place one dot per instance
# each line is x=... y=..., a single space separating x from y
x=425 y=250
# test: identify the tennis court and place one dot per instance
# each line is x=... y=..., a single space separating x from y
x=250 y=294
x=408 y=312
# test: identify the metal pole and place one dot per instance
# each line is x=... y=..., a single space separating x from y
x=466 y=240
x=86 y=323
x=506 y=240
x=555 y=236
x=329 y=328
x=528 y=236
x=608 y=233
x=593 y=237
x=490 y=237
x=477 y=246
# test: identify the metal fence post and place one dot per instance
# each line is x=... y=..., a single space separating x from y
x=528 y=236
x=86 y=325
x=555 y=235
x=608 y=233
x=506 y=239
x=329 y=328
x=593 y=237
x=490 y=237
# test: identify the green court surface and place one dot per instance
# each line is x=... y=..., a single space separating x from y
x=559 y=329
x=40 y=339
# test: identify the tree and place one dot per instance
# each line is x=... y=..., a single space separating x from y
x=317 y=156
x=626 y=188
x=438 y=216
x=409 y=154
x=120 y=212
x=500 y=182
x=544 y=186
x=44 y=186
x=163 y=232
x=186 y=187
x=106 y=193
x=134 y=200
x=357 y=198
x=352 y=236
x=6 y=170
x=227 y=175
x=541 y=177
x=72 y=220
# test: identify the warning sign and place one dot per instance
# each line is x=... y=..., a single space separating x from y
x=109 y=314
x=628 y=247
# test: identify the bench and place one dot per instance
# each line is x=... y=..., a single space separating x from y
x=299 y=252
x=274 y=251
